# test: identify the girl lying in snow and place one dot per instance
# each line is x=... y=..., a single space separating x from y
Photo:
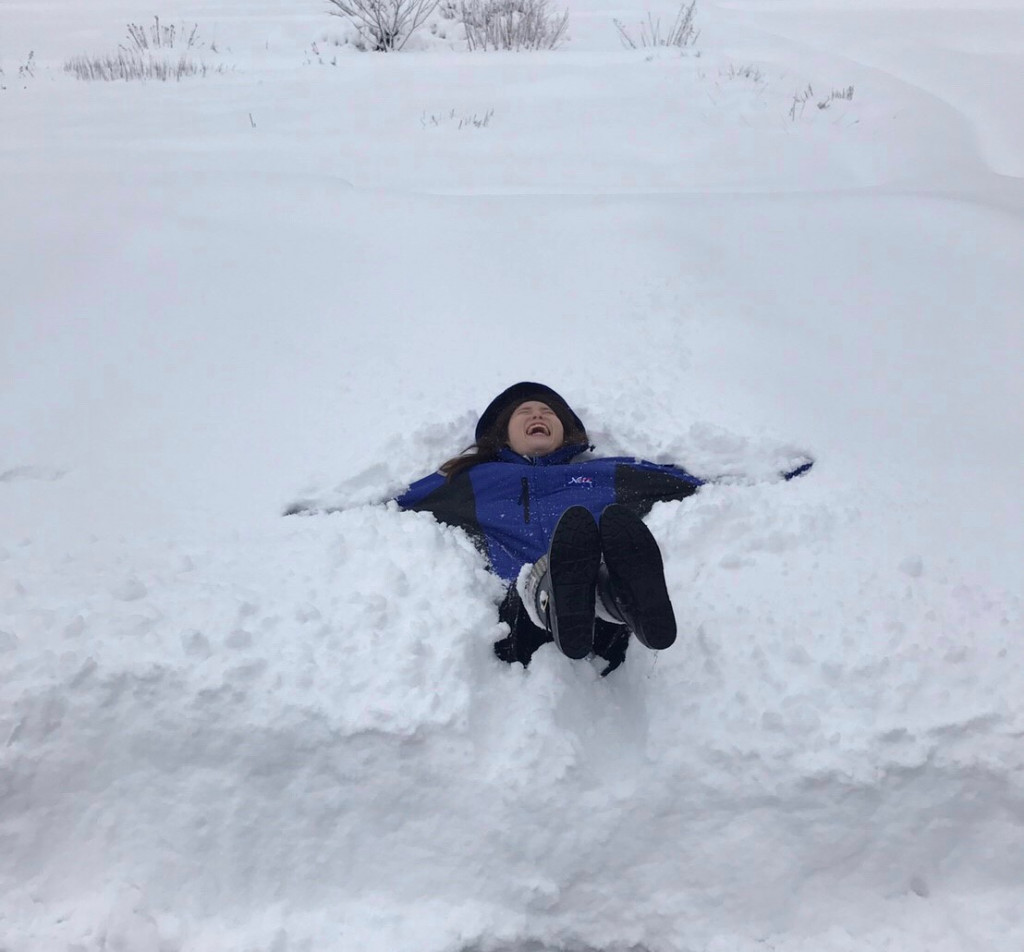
x=565 y=532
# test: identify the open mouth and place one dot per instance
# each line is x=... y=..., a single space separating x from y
x=535 y=429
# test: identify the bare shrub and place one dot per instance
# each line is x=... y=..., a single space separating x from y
x=512 y=24
x=682 y=33
x=385 y=25
x=148 y=53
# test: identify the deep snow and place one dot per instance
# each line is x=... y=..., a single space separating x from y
x=224 y=729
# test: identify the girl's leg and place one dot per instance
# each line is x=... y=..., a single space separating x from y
x=631 y=583
x=524 y=637
x=561 y=586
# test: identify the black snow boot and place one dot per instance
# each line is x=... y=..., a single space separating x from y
x=631 y=583
x=562 y=584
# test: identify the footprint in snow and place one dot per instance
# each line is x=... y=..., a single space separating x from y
x=21 y=473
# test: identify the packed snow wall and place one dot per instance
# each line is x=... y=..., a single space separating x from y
x=302 y=739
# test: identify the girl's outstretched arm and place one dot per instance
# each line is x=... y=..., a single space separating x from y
x=419 y=490
x=371 y=487
x=799 y=470
x=640 y=483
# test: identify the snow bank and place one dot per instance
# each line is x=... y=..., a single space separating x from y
x=305 y=742
x=221 y=729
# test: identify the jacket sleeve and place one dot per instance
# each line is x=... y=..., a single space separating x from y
x=451 y=501
x=361 y=490
x=419 y=490
x=640 y=484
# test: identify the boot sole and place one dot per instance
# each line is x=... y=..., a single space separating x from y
x=638 y=575
x=575 y=555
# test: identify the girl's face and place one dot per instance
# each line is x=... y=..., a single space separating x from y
x=535 y=429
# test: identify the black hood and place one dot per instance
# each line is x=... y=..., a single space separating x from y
x=520 y=393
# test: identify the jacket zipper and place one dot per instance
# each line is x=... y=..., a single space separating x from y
x=524 y=499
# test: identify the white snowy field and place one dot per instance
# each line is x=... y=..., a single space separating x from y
x=302 y=275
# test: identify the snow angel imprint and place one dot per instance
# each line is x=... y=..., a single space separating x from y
x=563 y=530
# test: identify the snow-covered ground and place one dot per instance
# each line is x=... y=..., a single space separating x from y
x=301 y=275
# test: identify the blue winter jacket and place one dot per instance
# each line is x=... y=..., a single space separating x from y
x=509 y=507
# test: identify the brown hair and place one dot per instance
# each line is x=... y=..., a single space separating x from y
x=495 y=439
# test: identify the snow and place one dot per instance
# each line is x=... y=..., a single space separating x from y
x=302 y=275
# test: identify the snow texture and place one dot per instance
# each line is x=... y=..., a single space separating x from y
x=298 y=278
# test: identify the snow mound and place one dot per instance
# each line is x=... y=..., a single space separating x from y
x=308 y=743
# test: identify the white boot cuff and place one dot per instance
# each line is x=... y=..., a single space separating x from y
x=527 y=599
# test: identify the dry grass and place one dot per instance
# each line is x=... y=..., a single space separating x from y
x=158 y=51
x=682 y=33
